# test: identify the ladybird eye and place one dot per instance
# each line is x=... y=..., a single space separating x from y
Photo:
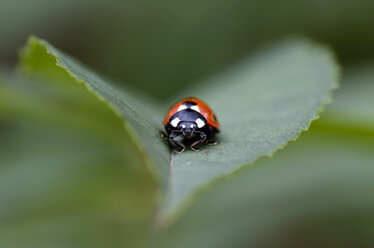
x=191 y=126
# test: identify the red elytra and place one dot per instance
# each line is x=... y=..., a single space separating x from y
x=205 y=111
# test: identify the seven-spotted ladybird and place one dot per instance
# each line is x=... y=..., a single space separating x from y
x=191 y=118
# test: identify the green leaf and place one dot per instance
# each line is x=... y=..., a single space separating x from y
x=262 y=104
x=318 y=191
x=65 y=180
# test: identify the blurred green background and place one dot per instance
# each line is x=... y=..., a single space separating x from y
x=162 y=46
x=62 y=179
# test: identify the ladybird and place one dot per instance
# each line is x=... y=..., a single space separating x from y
x=193 y=119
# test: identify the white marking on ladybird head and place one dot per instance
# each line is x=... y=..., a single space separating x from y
x=191 y=126
x=196 y=108
x=200 y=123
x=182 y=107
x=183 y=126
x=174 y=122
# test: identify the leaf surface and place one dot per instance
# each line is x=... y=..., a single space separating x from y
x=262 y=104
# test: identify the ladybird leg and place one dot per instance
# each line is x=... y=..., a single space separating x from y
x=164 y=135
x=212 y=142
x=198 y=142
x=179 y=145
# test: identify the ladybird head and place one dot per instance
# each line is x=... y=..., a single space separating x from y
x=187 y=127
